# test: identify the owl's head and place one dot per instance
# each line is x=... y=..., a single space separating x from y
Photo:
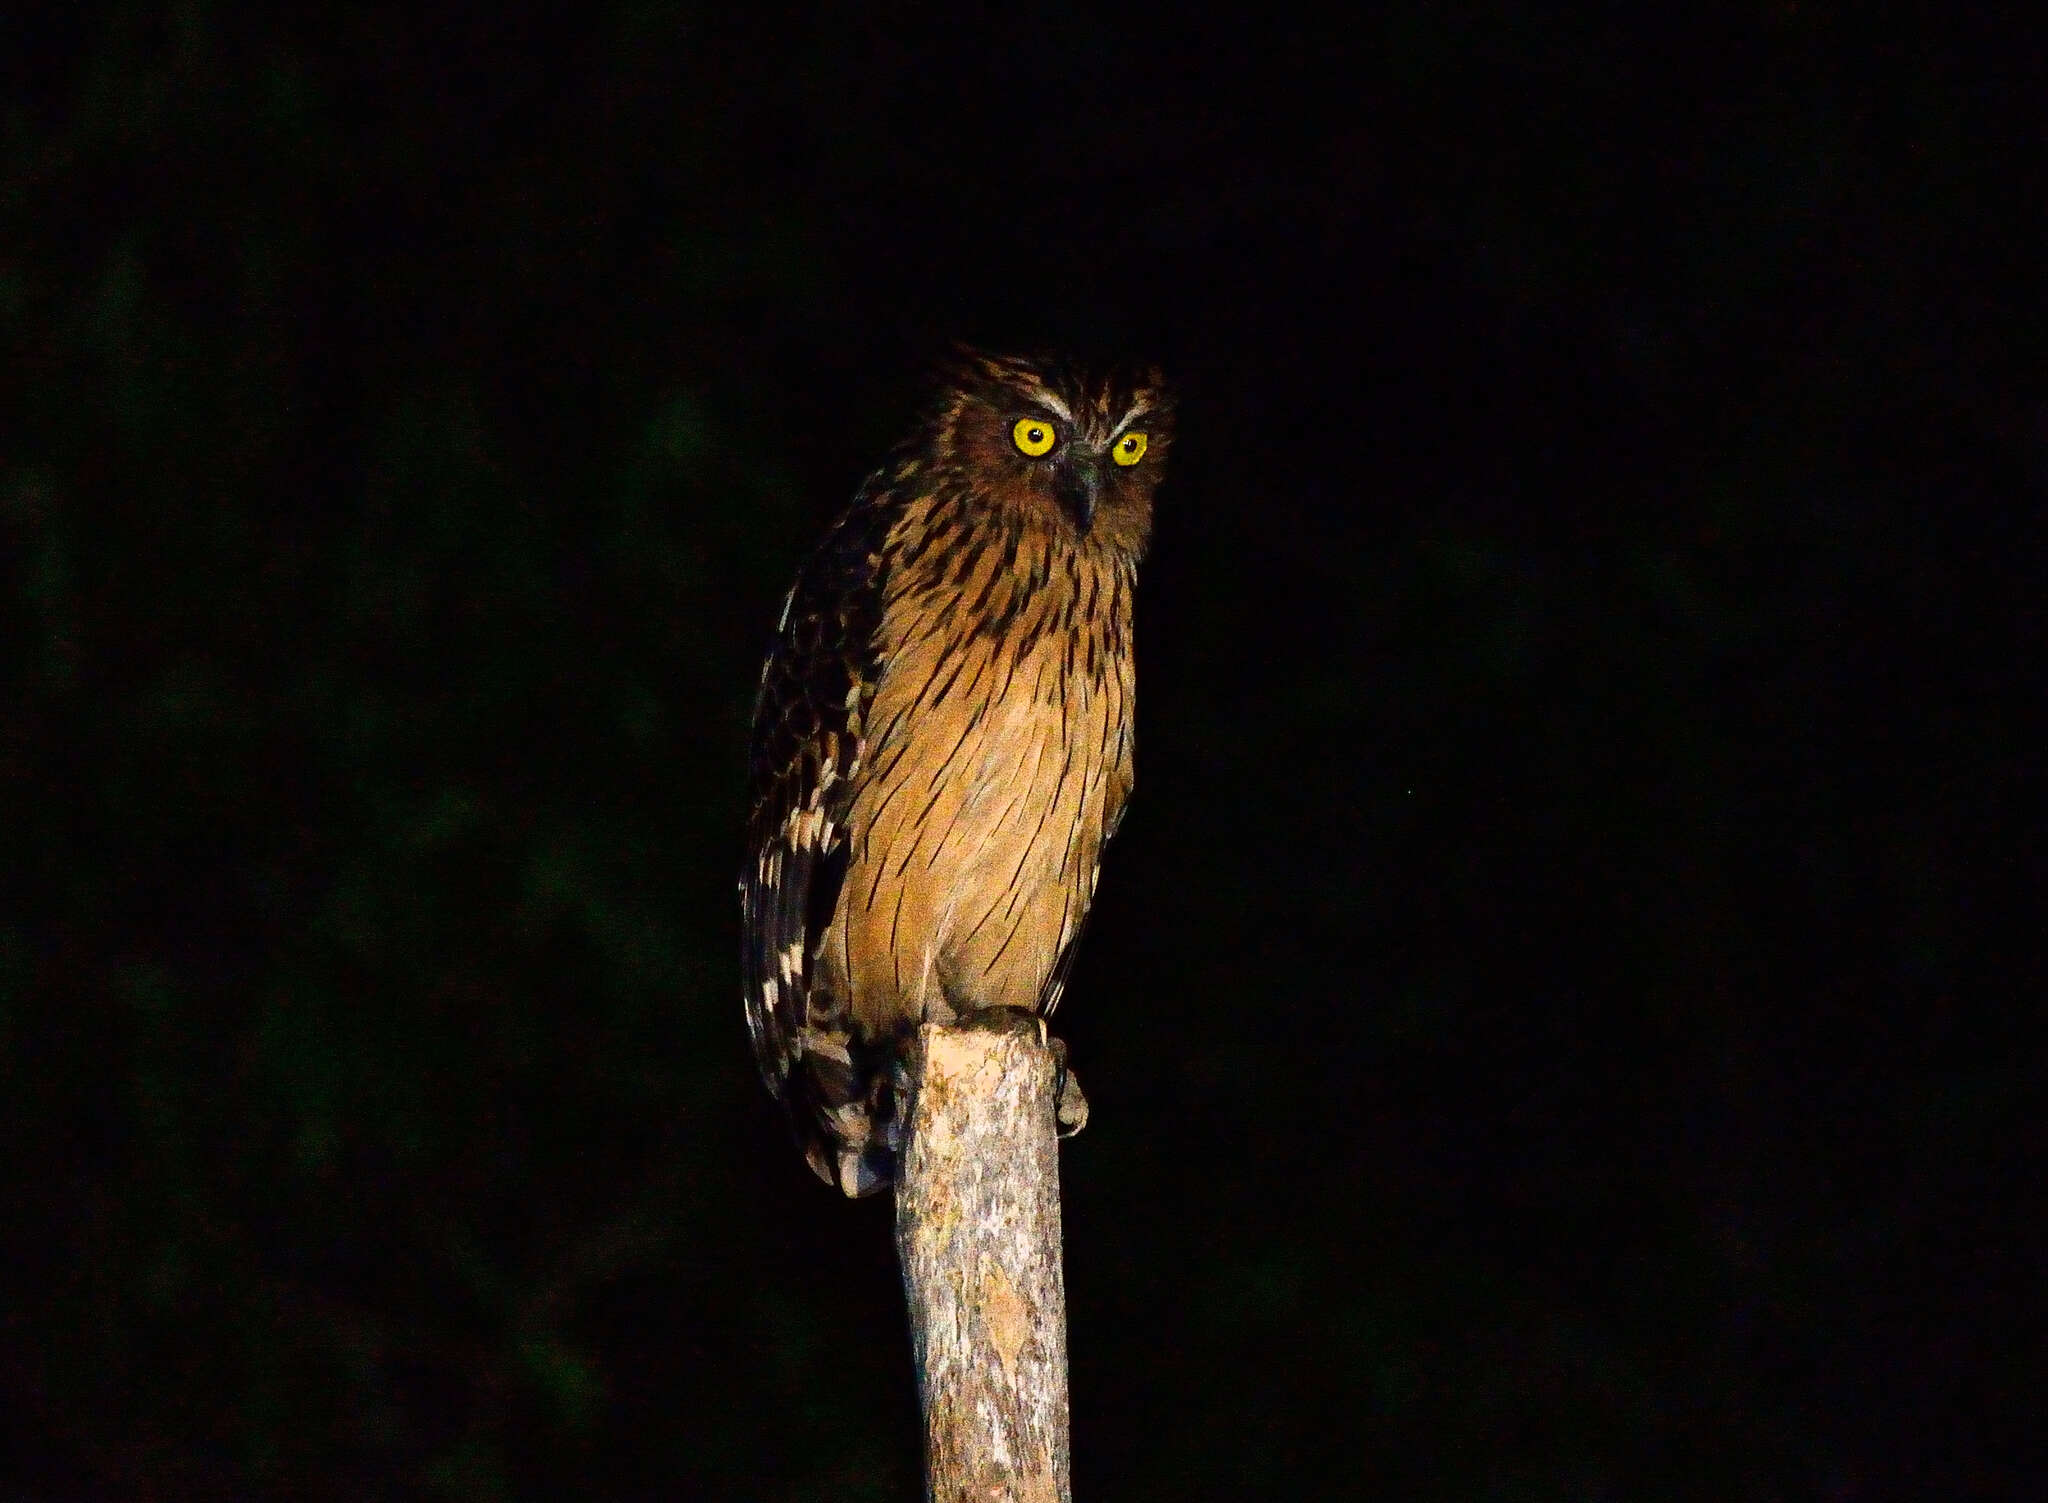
x=1079 y=448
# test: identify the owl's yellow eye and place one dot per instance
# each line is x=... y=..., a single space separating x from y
x=1129 y=449
x=1033 y=436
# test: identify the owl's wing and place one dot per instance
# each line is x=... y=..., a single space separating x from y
x=806 y=751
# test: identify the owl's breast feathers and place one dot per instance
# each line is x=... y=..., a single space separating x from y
x=942 y=745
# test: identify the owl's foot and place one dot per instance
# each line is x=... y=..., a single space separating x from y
x=1001 y=1020
x=1070 y=1107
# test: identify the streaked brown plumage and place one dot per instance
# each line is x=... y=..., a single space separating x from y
x=943 y=740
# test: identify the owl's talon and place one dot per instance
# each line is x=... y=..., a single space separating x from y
x=1002 y=1019
x=1070 y=1107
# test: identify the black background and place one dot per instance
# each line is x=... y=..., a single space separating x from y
x=1560 y=1017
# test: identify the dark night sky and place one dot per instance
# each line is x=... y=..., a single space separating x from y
x=1559 y=1018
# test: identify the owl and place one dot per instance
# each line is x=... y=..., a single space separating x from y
x=942 y=743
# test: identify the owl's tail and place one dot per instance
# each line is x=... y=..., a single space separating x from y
x=850 y=1103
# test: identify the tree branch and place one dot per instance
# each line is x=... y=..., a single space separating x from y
x=978 y=1234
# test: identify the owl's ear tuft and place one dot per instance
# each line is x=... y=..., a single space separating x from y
x=969 y=367
x=962 y=360
x=1149 y=385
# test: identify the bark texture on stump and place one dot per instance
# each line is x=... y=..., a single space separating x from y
x=978 y=1233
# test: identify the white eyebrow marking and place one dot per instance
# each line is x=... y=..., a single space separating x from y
x=1047 y=399
x=1129 y=418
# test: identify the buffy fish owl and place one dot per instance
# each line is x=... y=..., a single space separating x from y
x=942 y=744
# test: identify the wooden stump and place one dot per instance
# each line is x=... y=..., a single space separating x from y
x=978 y=1234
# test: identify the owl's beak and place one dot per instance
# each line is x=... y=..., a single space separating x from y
x=1079 y=488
